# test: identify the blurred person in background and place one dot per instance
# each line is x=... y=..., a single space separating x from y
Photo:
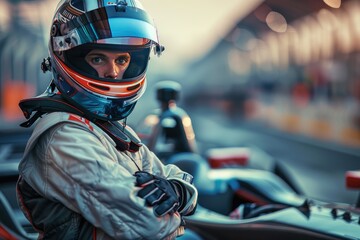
x=85 y=173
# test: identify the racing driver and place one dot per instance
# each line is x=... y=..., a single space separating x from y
x=85 y=174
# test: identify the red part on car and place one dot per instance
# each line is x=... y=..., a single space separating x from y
x=353 y=179
x=228 y=157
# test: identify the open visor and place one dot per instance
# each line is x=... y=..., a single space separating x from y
x=139 y=58
x=79 y=70
x=107 y=25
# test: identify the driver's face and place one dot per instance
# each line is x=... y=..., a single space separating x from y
x=108 y=64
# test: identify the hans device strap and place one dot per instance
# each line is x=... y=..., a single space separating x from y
x=124 y=137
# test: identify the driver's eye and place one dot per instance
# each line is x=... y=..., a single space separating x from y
x=96 y=60
x=122 y=60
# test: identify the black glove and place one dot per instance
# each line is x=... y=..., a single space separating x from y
x=158 y=192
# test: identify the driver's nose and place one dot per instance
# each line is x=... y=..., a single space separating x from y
x=112 y=71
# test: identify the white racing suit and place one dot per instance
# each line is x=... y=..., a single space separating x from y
x=72 y=162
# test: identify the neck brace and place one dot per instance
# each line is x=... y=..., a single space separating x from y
x=124 y=137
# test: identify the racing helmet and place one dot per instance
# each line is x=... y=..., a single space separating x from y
x=80 y=26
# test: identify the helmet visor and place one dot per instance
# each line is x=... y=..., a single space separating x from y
x=107 y=25
x=89 y=58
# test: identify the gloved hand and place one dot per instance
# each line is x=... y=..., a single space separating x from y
x=158 y=192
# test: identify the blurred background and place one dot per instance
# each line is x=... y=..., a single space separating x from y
x=282 y=75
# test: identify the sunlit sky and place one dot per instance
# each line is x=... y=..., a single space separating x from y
x=189 y=28
x=186 y=28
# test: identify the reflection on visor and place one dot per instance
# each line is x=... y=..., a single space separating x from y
x=125 y=41
x=105 y=25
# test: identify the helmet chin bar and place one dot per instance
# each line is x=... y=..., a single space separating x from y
x=96 y=106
